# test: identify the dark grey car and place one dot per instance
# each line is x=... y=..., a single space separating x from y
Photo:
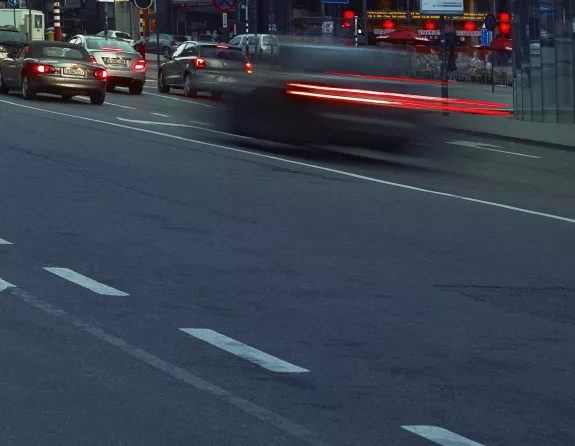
x=53 y=67
x=168 y=43
x=203 y=66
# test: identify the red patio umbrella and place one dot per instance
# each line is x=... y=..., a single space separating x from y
x=403 y=35
x=499 y=44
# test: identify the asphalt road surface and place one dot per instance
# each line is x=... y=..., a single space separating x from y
x=163 y=284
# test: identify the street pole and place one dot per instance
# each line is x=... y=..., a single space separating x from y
x=247 y=30
x=106 y=19
x=29 y=21
x=442 y=55
x=14 y=9
x=355 y=30
x=57 y=25
x=365 y=25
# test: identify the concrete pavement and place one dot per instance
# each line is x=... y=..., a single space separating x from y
x=430 y=289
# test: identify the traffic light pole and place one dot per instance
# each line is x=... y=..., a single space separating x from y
x=442 y=55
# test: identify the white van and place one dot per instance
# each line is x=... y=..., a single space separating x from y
x=263 y=44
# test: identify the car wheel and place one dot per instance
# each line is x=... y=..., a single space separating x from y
x=67 y=97
x=162 y=87
x=98 y=98
x=3 y=88
x=216 y=95
x=166 y=52
x=110 y=87
x=136 y=88
x=27 y=92
x=189 y=86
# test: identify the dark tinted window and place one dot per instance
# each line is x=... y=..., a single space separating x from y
x=58 y=52
x=222 y=52
x=102 y=44
x=10 y=37
x=179 y=38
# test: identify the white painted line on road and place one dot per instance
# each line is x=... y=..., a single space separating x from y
x=4 y=242
x=302 y=164
x=225 y=396
x=489 y=147
x=86 y=282
x=188 y=101
x=161 y=114
x=201 y=123
x=244 y=351
x=108 y=103
x=168 y=124
x=441 y=436
x=5 y=285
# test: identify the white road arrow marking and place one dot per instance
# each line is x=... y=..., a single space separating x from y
x=4 y=242
x=489 y=147
x=5 y=285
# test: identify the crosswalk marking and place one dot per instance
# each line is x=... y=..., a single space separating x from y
x=244 y=351
x=441 y=436
x=86 y=282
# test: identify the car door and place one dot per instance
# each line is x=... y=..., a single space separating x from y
x=180 y=61
x=12 y=67
x=150 y=42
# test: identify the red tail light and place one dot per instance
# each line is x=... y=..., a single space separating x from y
x=140 y=65
x=117 y=50
x=174 y=43
x=101 y=74
x=223 y=47
x=93 y=59
x=200 y=63
x=249 y=67
x=44 y=69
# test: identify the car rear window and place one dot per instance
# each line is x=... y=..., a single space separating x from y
x=123 y=36
x=10 y=37
x=108 y=44
x=58 y=52
x=271 y=41
x=222 y=52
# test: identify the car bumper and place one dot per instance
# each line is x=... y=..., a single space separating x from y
x=59 y=85
x=126 y=77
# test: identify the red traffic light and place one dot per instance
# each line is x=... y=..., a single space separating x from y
x=504 y=28
x=504 y=17
x=348 y=14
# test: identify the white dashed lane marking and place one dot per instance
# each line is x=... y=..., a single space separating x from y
x=244 y=351
x=441 y=436
x=161 y=114
x=5 y=285
x=86 y=282
x=107 y=103
x=4 y=242
x=489 y=148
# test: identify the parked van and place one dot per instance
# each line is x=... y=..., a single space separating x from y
x=264 y=45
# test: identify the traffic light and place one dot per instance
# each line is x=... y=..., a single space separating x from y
x=348 y=17
x=504 y=24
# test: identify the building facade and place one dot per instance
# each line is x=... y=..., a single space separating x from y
x=544 y=60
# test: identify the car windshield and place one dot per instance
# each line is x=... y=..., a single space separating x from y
x=222 y=52
x=123 y=35
x=10 y=37
x=56 y=51
x=108 y=44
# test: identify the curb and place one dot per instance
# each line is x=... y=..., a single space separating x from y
x=497 y=136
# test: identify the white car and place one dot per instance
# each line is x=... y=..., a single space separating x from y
x=122 y=35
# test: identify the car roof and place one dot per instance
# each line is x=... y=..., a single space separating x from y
x=8 y=28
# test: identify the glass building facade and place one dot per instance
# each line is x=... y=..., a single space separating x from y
x=544 y=60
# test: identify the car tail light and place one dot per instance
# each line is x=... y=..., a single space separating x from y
x=249 y=67
x=223 y=47
x=93 y=59
x=44 y=69
x=140 y=65
x=100 y=74
x=200 y=63
x=174 y=43
x=116 y=50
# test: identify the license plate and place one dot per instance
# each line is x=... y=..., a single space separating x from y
x=75 y=71
x=3 y=55
x=225 y=79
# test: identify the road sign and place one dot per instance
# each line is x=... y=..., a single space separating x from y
x=485 y=37
x=272 y=17
x=441 y=7
x=13 y=2
x=546 y=9
x=143 y=4
x=343 y=2
x=224 y=5
x=225 y=19
x=272 y=27
x=490 y=22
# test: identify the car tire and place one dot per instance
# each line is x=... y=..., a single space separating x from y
x=110 y=87
x=217 y=95
x=27 y=92
x=166 y=52
x=136 y=88
x=67 y=97
x=3 y=88
x=98 y=98
x=162 y=87
x=189 y=91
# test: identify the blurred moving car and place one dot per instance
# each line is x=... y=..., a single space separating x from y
x=121 y=35
x=203 y=66
x=167 y=46
x=53 y=67
x=124 y=65
x=10 y=39
x=263 y=44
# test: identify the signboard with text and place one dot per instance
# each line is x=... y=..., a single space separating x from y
x=418 y=15
x=442 y=7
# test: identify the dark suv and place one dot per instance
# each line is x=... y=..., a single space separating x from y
x=10 y=39
x=168 y=44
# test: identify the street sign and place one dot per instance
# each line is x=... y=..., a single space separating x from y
x=225 y=19
x=13 y=2
x=272 y=17
x=485 y=37
x=272 y=27
x=490 y=22
x=342 y=2
x=143 y=4
x=442 y=7
x=224 y=5
x=546 y=9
